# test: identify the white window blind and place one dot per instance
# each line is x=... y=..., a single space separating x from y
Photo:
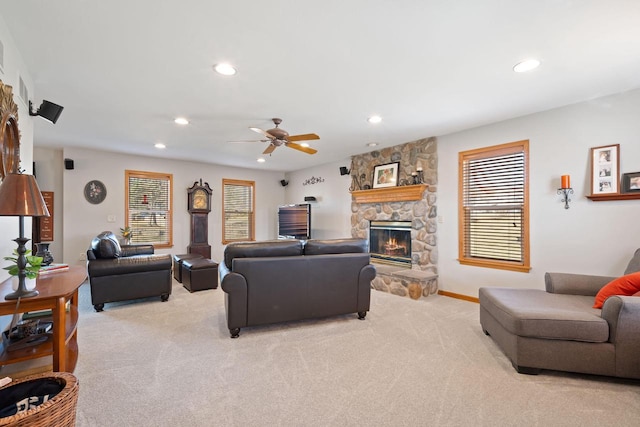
x=238 y=206
x=494 y=207
x=149 y=207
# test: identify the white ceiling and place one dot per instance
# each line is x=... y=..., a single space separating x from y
x=124 y=69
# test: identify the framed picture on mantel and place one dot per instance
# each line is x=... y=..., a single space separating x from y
x=605 y=170
x=386 y=175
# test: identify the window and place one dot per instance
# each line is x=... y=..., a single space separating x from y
x=238 y=206
x=148 y=206
x=493 y=207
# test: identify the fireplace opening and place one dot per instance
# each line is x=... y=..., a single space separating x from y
x=390 y=242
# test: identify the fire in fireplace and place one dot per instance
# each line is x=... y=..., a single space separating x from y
x=390 y=241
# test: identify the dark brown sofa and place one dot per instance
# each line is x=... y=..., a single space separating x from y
x=121 y=273
x=285 y=280
x=558 y=329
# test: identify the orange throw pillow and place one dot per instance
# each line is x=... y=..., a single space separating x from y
x=625 y=285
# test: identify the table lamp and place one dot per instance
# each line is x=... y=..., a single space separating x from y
x=20 y=196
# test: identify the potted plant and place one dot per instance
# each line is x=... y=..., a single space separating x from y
x=34 y=263
x=126 y=235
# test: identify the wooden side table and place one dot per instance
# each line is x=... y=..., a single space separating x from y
x=56 y=289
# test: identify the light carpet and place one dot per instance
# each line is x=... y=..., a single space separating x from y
x=410 y=363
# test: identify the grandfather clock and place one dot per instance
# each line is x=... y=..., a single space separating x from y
x=199 y=206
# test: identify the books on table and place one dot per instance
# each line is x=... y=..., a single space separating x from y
x=53 y=268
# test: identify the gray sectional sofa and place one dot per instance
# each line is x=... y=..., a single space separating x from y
x=285 y=280
x=558 y=329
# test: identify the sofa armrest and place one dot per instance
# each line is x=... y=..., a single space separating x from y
x=131 y=250
x=574 y=284
x=367 y=274
x=622 y=313
x=235 y=287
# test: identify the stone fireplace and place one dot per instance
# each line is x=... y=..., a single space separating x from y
x=413 y=206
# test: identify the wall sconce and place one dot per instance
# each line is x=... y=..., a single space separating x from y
x=344 y=170
x=48 y=111
x=565 y=189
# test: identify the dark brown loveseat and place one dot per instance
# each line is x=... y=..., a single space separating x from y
x=285 y=280
x=120 y=273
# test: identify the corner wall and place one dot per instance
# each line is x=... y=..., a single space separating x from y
x=83 y=220
x=331 y=211
x=590 y=237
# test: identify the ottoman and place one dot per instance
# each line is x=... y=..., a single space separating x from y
x=177 y=264
x=199 y=274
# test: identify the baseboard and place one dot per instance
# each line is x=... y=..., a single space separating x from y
x=459 y=296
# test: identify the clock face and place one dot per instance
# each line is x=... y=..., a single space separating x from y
x=200 y=199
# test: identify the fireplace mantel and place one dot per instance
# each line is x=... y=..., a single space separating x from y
x=403 y=193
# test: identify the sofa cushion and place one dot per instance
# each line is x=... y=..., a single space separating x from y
x=335 y=246
x=268 y=248
x=106 y=245
x=634 y=263
x=538 y=314
x=625 y=285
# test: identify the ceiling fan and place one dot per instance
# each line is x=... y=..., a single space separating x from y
x=277 y=137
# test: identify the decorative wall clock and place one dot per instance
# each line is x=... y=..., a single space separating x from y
x=95 y=192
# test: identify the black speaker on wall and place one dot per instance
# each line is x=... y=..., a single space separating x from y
x=68 y=164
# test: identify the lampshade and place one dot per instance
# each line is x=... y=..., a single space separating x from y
x=20 y=196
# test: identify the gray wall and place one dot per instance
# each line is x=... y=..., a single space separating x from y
x=9 y=74
x=81 y=220
x=331 y=213
x=589 y=237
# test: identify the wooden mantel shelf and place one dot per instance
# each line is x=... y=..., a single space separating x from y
x=614 y=196
x=404 y=193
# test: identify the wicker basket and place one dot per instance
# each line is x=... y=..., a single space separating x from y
x=58 y=411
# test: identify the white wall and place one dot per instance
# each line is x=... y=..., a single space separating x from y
x=9 y=74
x=49 y=172
x=589 y=237
x=83 y=220
x=331 y=212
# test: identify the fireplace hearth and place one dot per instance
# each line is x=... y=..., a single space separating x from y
x=390 y=242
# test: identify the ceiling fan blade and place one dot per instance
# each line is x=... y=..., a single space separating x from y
x=305 y=137
x=301 y=148
x=262 y=132
x=249 y=140
x=269 y=149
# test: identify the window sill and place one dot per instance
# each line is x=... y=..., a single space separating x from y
x=496 y=265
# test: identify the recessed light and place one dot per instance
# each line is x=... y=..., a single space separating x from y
x=372 y=144
x=160 y=145
x=261 y=160
x=374 y=119
x=225 y=69
x=304 y=144
x=181 y=121
x=526 y=65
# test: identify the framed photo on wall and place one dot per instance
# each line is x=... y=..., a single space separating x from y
x=605 y=169
x=631 y=182
x=386 y=175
